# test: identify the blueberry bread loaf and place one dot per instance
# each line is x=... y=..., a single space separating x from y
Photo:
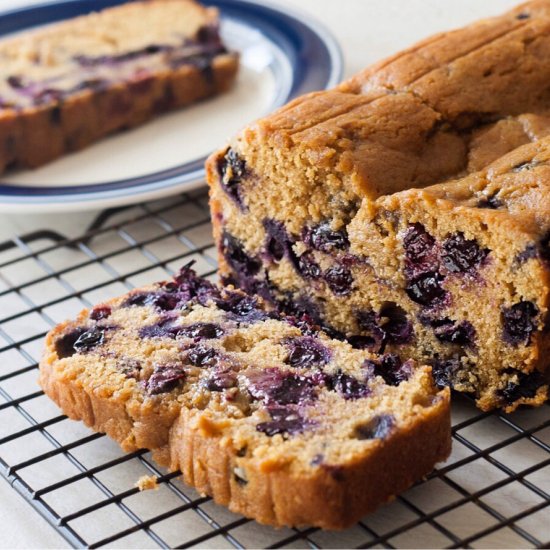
x=264 y=412
x=326 y=207
x=64 y=87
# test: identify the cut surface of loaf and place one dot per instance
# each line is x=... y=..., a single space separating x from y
x=67 y=85
x=263 y=412
x=330 y=207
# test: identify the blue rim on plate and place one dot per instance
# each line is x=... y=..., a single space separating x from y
x=313 y=54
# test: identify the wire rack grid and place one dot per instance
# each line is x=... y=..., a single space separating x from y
x=493 y=492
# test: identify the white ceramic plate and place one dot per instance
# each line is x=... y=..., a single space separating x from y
x=282 y=56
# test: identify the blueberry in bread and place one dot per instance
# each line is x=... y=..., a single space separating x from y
x=330 y=207
x=66 y=86
x=264 y=412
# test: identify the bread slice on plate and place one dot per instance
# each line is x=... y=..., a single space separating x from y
x=65 y=86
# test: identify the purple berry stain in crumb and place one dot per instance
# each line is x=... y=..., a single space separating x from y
x=137 y=299
x=16 y=82
x=208 y=34
x=89 y=340
x=530 y=252
x=293 y=389
x=185 y=287
x=95 y=84
x=152 y=49
x=221 y=380
x=390 y=368
x=422 y=264
x=306 y=352
x=526 y=386
x=388 y=326
x=170 y=302
x=321 y=237
x=232 y=170
x=243 y=308
x=452 y=332
x=305 y=313
x=165 y=328
x=358 y=341
x=201 y=331
x=426 y=290
x=281 y=388
x=237 y=303
x=378 y=427
x=100 y=312
x=421 y=252
x=163 y=301
x=368 y=321
x=238 y=259
x=164 y=379
x=348 y=386
x=270 y=292
x=257 y=286
x=461 y=255
x=339 y=280
x=64 y=345
x=202 y=356
x=444 y=371
x=278 y=243
x=299 y=306
x=395 y=325
x=305 y=323
x=188 y=285
x=307 y=267
x=201 y=61
x=518 y=323
x=284 y=420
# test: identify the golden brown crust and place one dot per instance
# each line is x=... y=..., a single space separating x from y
x=485 y=42
x=334 y=497
x=413 y=120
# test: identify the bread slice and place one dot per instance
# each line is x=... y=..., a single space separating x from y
x=67 y=85
x=265 y=413
x=325 y=207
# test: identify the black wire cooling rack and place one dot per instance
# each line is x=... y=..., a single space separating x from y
x=494 y=491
